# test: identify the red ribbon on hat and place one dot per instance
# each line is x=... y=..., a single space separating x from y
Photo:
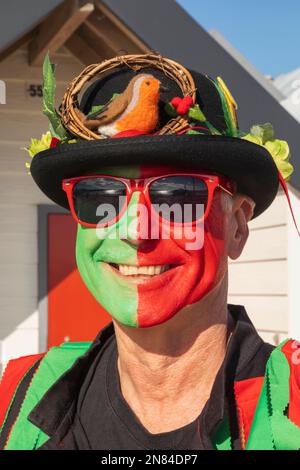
x=191 y=128
x=129 y=133
x=285 y=188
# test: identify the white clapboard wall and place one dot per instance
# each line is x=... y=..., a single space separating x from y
x=20 y=119
x=257 y=280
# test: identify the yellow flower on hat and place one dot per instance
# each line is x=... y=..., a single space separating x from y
x=37 y=145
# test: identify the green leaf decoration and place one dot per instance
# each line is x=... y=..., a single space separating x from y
x=170 y=110
x=192 y=131
x=263 y=134
x=227 y=106
x=195 y=113
x=212 y=129
x=52 y=131
x=49 y=86
x=264 y=131
x=95 y=109
x=279 y=149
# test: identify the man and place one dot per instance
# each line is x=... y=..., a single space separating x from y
x=160 y=205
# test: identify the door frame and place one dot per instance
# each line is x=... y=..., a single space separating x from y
x=44 y=210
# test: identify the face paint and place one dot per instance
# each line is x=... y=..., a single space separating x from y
x=194 y=274
x=144 y=301
x=94 y=257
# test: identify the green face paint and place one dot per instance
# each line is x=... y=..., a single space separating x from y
x=93 y=254
x=105 y=257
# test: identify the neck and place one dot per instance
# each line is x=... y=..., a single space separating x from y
x=173 y=365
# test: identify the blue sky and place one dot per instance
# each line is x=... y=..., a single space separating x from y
x=266 y=32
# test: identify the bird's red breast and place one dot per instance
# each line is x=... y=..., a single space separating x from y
x=144 y=113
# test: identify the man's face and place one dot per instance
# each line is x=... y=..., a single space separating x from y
x=144 y=282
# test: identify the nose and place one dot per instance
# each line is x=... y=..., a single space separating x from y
x=134 y=225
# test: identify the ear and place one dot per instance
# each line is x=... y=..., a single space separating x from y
x=242 y=211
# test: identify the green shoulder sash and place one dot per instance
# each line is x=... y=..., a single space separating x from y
x=24 y=435
x=272 y=429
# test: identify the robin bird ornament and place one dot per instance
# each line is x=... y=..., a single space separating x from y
x=136 y=108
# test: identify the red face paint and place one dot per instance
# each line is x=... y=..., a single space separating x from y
x=193 y=274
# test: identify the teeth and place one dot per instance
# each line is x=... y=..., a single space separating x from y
x=142 y=270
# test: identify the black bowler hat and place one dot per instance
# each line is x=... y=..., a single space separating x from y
x=198 y=134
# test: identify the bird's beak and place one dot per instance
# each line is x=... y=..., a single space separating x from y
x=163 y=88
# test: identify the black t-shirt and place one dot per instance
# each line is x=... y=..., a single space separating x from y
x=109 y=423
x=85 y=408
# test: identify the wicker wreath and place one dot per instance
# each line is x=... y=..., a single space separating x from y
x=136 y=62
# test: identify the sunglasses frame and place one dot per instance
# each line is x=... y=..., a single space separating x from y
x=142 y=184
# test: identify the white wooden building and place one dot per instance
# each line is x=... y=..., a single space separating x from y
x=264 y=279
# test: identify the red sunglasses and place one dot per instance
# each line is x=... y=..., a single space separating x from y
x=101 y=200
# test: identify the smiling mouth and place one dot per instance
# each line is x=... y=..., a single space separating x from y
x=141 y=271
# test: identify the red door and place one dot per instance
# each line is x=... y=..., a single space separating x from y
x=73 y=313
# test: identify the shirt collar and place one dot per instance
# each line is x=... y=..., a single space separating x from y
x=53 y=408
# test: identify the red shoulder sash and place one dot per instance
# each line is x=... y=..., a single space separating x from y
x=14 y=372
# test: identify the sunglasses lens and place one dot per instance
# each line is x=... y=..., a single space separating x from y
x=98 y=200
x=179 y=198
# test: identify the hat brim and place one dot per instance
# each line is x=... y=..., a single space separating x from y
x=250 y=165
